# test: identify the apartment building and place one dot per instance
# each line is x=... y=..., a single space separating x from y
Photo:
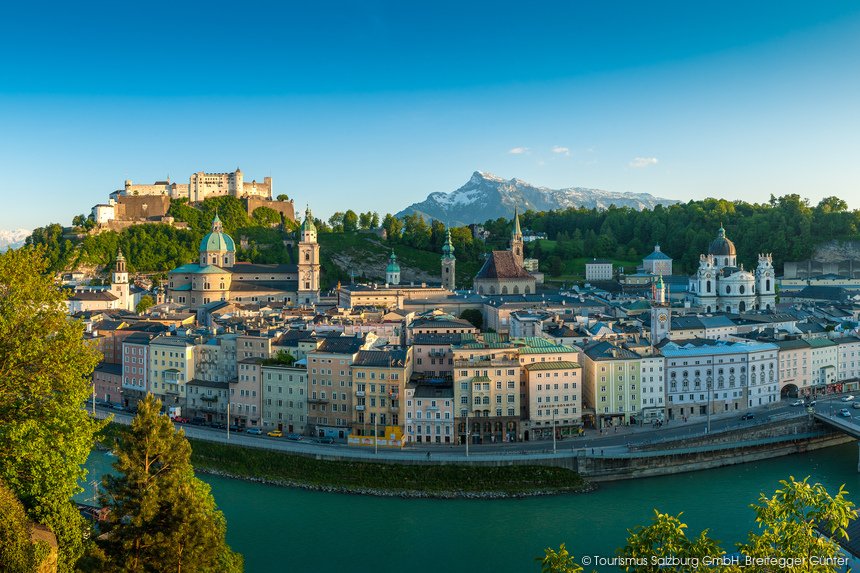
x=285 y=399
x=379 y=380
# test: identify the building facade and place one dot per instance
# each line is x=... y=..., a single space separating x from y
x=285 y=399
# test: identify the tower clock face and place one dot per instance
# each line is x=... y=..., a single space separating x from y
x=662 y=317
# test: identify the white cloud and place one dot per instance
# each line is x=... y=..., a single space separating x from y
x=561 y=150
x=519 y=150
x=642 y=162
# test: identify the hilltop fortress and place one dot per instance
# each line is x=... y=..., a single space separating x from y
x=139 y=203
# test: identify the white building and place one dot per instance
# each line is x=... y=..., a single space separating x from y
x=653 y=389
x=848 y=348
x=720 y=285
x=598 y=270
x=727 y=376
x=554 y=398
x=657 y=263
x=429 y=412
x=102 y=213
x=285 y=399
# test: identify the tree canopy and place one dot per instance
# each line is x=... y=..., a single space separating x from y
x=162 y=518
x=45 y=435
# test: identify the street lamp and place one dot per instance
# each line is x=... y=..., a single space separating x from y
x=553 y=431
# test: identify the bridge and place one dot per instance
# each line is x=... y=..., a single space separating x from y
x=846 y=425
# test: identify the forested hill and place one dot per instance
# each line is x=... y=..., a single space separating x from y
x=789 y=227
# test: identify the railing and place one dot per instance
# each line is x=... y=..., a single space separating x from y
x=360 y=408
x=318 y=400
x=360 y=393
x=394 y=408
x=490 y=362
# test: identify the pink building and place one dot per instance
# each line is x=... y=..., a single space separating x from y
x=246 y=394
x=135 y=363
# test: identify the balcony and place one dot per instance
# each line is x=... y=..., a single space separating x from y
x=207 y=398
x=360 y=393
x=394 y=409
x=477 y=363
x=318 y=400
x=360 y=408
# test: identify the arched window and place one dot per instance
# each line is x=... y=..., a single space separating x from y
x=527 y=290
x=767 y=285
x=708 y=286
x=742 y=289
x=504 y=290
x=516 y=289
x=492 y=289
x=743 y=306
x=728 y=289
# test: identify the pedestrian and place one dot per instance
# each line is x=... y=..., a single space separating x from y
x=592 y=451
x=616 y=429
x=601 y=451
x=428 y=456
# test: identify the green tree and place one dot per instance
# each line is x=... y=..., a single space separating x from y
x=162 y=518
x=393 y=227
x=266 y=216
x=789 y=519
x=145 y=303
x=79 y=220
x=350 y=221
x=336 y=222
x=364 y=220
x=18 y=554
x=664 y=538
x=474 y=316
x=282 y=197
x=558 y=561
x=374 y=220
x=45 y=435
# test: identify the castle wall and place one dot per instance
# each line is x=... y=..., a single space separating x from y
x=285 y=208
x=141 y=207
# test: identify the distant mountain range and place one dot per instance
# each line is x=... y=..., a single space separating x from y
x=486 y=196
x=12 y=239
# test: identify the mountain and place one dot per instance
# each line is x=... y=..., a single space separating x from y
x=12 y=239
x=486 y=196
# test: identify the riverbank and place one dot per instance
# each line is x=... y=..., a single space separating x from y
x=440 y=481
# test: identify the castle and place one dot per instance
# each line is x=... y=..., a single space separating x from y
x=202 y=186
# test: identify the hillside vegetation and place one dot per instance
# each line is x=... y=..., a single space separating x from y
x=788 y=226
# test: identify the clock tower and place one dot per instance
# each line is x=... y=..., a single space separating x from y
x=661 y=313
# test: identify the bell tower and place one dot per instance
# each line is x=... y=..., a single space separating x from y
x=449 y=263
x=661 y=313
x=309 y=262
x=517 y=239
x=119 y=283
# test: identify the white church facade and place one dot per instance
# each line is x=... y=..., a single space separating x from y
x=720 y=285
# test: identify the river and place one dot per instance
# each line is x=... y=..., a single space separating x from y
x=291 y=530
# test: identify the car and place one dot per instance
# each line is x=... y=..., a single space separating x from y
x=856 y=405
x=198 y=421
x=797 y=403
x=180 y=420
x=845 y=413
x=235 y=428
x=275 y=434
x=848 y=398
x=294 y=437
x=812 y=403
x=254 y=431
x=118 y=407
x=326 y=440
x=748 y=416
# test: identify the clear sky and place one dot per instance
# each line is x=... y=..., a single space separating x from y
x=375 y=104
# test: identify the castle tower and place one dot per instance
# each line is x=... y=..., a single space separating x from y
x=309 y=262
x=661 y=314
x=449 y=263
x=392 y=271
x=765 y=282
x=119 y=283
x=517 y=239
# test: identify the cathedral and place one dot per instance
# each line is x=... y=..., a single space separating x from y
x=216 y=276
x=720 y=285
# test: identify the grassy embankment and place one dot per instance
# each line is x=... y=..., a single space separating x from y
x=286 y=469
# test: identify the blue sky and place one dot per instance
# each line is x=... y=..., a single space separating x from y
x=373 y=105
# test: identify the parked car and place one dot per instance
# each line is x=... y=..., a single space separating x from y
x=326 y=440
x=254 y=431
x=812 y=402
x=797 y=403
x=235 y=428
x=856 y=405
x=294 y=437
x=198 y=421
x=847 y=398
x=118 y=407
x=845 y=413
x=275 y=434
x=748 y=416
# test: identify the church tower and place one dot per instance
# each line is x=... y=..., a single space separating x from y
x=448 y=263
x=517 y=239
x=765 y=279
x=119 y=283
x=309 y=262
x=661 y=313
x=392 y=271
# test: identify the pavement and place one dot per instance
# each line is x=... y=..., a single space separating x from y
x=613 y=441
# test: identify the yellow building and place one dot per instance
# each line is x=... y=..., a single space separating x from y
x=379 y=380
x=612 y=384
x=171 y=367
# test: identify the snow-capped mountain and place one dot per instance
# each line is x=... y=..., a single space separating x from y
x=486 y=196
x=12 y=239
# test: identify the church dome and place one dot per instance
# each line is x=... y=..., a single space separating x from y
x=722 y=246
x=217 y=240
x=392 y=267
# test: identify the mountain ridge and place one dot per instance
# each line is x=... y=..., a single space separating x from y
x=488 y=196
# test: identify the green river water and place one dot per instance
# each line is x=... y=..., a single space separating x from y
x=291 y=530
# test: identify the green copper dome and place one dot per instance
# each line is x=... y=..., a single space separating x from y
x=392 y=267
x=308 y=223
x=448 y=248
x=217 y=240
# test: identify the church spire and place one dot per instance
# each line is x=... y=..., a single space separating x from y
x=517 y=232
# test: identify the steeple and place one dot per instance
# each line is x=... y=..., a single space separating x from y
x=517 y=232
x=449 y=262
x=517 y=239
x=217 y=226
x=448 y=247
